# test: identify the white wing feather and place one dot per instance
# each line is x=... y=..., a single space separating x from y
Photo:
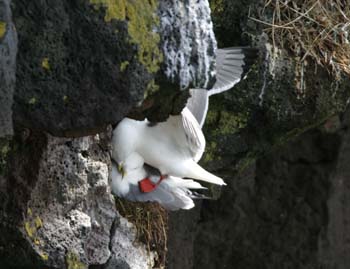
x=229 y=71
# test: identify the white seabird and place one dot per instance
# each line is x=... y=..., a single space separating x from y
x=144 y=184
x=173 y=147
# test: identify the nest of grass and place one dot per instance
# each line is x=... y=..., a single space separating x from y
x=312 y=29
x=150 y=220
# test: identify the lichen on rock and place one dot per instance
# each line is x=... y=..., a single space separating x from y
x=142 y=21
x=66 y=215
x=2 y=29
x=71 y=49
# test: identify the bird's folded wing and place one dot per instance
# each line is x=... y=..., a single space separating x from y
x=198 y=104
x=195 y=140
x=231 y=65
x=171 y=199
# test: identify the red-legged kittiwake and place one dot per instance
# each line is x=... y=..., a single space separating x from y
x=173 y=147
x=144 y=184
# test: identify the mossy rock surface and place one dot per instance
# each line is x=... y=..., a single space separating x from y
x=71 y=73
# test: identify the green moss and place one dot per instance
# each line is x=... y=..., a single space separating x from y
x=210 y=152
x=123 y=66
x=73 y=261
x=142 y=19
x=115 y=9
x=32 y=101
x=2 y=29
x=229 y=122
x=217 y=6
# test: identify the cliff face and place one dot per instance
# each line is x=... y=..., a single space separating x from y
x=284 y=203
x=80 y=66
x=56 y=207
x=68 y=71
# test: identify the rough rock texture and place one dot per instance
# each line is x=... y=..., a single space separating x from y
x=181 y=236
x=126 y=252
x=188 y=42
x=70 y=77
x=188 y=45
x=285 y=203
x=288 y=209
x=8 y=50
x=61 y=210
x=84 y=64
x=334 y=245
x=273 y=215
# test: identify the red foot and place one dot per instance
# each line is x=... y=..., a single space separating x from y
x=146 y=185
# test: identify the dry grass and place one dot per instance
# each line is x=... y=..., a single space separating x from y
x=150 y=220
x=311 y=29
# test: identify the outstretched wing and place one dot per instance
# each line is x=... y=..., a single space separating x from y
x=232 y=65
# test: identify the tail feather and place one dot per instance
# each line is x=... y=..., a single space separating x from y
x=195 y=171
x=176 y=182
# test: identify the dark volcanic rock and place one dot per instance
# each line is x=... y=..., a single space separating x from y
x=275 y=213
x=70 y=72
x=334 y=245
x=182 y=233
x=84 y=64
x=286 y=199
x=8 y=50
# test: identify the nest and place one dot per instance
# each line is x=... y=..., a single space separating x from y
x=150 y=220
x=312 y=29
